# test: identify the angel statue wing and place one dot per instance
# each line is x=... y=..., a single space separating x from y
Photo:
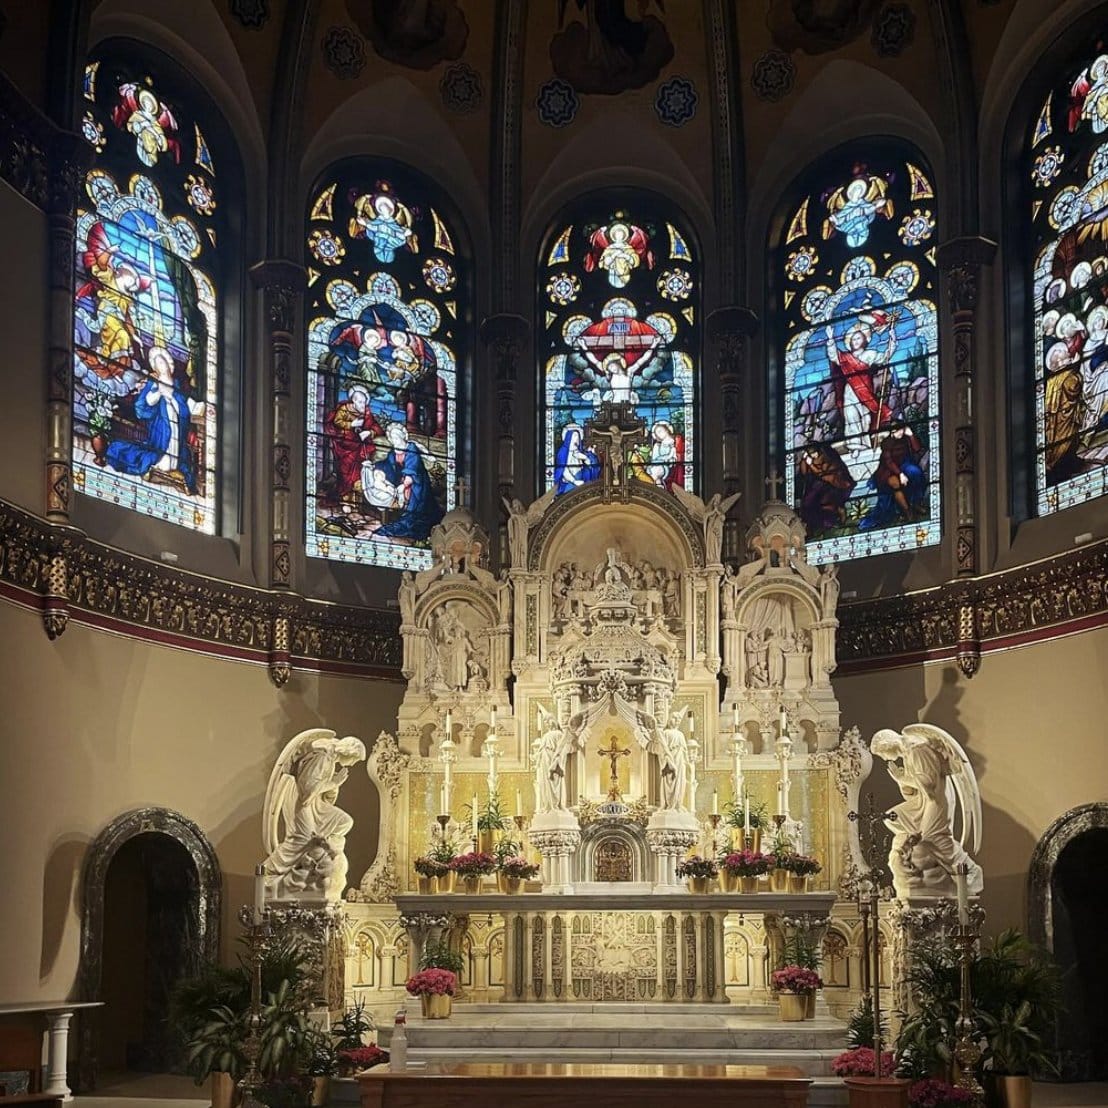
x=961 y=781
x=537 y=509
x=280 y=793
x=545 y=717
x=691 y=503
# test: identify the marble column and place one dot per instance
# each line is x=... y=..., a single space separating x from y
x=961 y=260
x=506 y=336
x=280 y=282
x=730 y=329
x=57 y=1053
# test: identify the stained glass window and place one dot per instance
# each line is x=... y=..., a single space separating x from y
x=619 y=301
x=1067 y=162
x=146 y=355
x=387 y=291
x=855 y=284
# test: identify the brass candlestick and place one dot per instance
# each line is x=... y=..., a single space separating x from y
x=713 y=819
x=257 y=936
x=442 y=821
x=966 y=1051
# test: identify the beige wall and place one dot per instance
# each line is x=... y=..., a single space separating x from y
x=1033 y=723
x=94 y=725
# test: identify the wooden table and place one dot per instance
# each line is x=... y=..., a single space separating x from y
x=474 y=1085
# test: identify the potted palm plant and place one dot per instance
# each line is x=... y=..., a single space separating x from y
x=1014 y=1052
x=736 y=814
x=491 y=821
x=215 y=1053
x=320 y=1064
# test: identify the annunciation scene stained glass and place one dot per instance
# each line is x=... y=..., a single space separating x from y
x=146 y=342
x=855 y=279
x=385 y=287
x=618 y=294
x=1068 y=170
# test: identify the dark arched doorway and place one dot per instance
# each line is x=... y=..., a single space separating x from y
x=152 y=889
x=1067 y=907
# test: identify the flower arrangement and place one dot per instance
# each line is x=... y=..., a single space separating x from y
x=517 y=868
x=933 y=1092
x=859 y=1063
x=748 y=863
x=473 y=864
x=432 y=982
x=802 y=865
x=795 y=979
x=697 y=867
x=362 y=1057
x=430 y=866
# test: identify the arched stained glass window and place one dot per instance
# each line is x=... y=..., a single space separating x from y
x=619 y=300
x=855 y=280
x=386 y=293
x=1067 y=162
x=150 y=225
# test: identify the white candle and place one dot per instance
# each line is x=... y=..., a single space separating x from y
x=449 y=726
x=715 y=803
x=475 y=815
x=962 y=889
x=781 y=798
x=692 y=724
x=259 y=893
x=443 y=801
x=492 y=721
x=519 y=804
x=784 y=722
x=735 y=720
x=746 y=816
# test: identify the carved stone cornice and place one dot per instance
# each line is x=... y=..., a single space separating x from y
x=122 y=592
x=111 y=589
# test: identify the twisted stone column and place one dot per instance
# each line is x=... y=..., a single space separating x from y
x=730 y=329
x=961 y=260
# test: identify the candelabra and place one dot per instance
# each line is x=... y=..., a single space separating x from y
x=966 y=1051
x=258 y=935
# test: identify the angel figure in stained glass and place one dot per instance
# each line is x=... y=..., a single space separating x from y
x=666 y=453
x=853 y=207
x=1089 y=97
x=142 y=114
x=381 y=218
x=618 y=249
x=104 y=301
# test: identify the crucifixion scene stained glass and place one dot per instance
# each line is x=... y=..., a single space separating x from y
x=146 y=333
x=1068 y=167
x=620 y=301
x=384 y=289
x=859 y=341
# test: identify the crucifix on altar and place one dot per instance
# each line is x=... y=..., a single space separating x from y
x=613 y=752
x=615 y=430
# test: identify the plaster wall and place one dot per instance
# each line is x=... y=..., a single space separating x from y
x=95 y=725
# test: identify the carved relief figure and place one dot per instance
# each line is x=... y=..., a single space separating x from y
x=711 y=517
x=302 y=792
x=935 y=779
x=455 y=658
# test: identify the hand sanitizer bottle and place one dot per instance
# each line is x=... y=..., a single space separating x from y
x=398 y=1044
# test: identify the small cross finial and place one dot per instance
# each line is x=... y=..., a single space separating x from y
x=772 y=481
x=461 y=487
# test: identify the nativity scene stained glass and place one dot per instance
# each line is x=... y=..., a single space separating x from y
x=619 y=295
x=1067 y=163
x=146 y=355
x=385 y=288
x=856 y=287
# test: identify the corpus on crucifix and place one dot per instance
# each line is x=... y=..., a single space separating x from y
x=615 y=430
x=613 y=752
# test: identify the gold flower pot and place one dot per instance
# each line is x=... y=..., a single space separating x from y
x=699 y=884
x=748 y=884
x=778 y=881
x=877 y=1092
x=471 y=885
x=738 y=839
x=436 y=1006
x=425 y=884
x=509 y=885
x=810 y=1007
x=798 y=883
x=446 y=881
x=321 y=1089
x=1013 y=1092
x=223 y=1090
x=486 y=841
x=728 y=882
x=791 y=1007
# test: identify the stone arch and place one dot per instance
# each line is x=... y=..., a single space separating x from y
x=205 y=909
x=595 y=836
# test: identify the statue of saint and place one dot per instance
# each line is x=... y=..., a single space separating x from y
x=672 y=749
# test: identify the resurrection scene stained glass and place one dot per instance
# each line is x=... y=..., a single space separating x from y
x=856 y=274
x=146 y=342
x=618 y=292
x=1068 y=167
x=384 y=288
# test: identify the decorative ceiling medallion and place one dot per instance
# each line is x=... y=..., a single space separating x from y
x=675 y=101
x=557 y=103
x=461 y=89
x=893 y=29
x=252 y=14
x=343 y=53
x=773 y=76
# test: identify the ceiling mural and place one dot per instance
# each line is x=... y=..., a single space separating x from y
x=418 y=35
